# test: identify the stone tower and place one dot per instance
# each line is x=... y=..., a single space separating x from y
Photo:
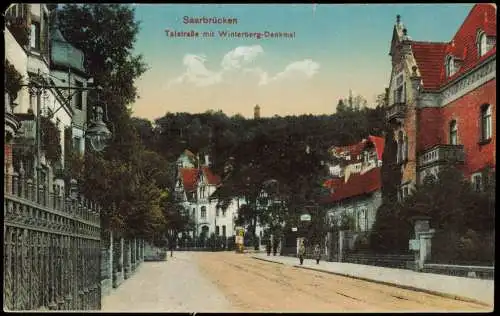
x=256 y=112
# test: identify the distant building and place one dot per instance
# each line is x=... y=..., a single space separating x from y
x=442 y=100
x=256 y=112
x=356 y=183
x=196 y=182
x=356 y=158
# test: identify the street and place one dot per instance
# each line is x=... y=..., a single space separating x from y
x=225 y=281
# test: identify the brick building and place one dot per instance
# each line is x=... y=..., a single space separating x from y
x=442 y=100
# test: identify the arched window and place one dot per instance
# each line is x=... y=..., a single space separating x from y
x=453 y=133
x=450 y=69
x=485 y=122
x=482 y=43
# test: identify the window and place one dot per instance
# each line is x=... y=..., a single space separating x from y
x=364 y=219
x=217 y=230
x=203 y=212
x=482 y=44
x=399 y=90
x=223 y=213
x=453 y=133
x=398 y=97
x=44 y=36
x=217 y=213
x=399 y=157
x=450 y=69
x=76 y=144
x=477 y=182
x=35 y=35
x=79 y=95
x=224 y=230
x=485 y=122
x=194 y=210
x=404 y=192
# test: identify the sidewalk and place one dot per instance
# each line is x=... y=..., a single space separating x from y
x=467 y=289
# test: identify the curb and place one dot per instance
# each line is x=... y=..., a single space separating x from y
x=405 y=287
x=267 y=260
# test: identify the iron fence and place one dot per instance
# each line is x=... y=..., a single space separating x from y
x=51 y=249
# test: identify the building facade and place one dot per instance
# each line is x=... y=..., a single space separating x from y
x=194 y=186
x=442 y=100
x=355 y=186
x=43 y=58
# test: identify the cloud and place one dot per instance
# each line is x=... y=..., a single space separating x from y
x=306 y=68
x=241 y=55
x=196 y=72
x=239 y=60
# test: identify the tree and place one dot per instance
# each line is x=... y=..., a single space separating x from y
x=448 y=200
x=106 y=34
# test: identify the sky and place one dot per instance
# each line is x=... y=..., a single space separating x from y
x=335 y=48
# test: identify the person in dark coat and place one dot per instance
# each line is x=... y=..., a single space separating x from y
x=302 y=252
x=268 y=247
x=317 y=253
x=171 y=246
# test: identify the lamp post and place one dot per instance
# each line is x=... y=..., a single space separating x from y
x=96 y=130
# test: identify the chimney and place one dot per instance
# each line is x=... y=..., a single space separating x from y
x=256 y=112
x=207 y=160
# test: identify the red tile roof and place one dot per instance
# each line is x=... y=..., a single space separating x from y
x=379 y=143
x=355 y=149
x=430 y=61
x=333 y=183
x=358 y=184
x=430 y=57
x=210 y=177
x=189 y=177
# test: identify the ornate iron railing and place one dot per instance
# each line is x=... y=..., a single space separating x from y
x=396 y=110
x=51 y=249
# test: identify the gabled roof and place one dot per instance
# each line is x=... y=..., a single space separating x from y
x=379 y=143
x=190 y=177
x=211 y=178
x=355 y=149
x=430 y=57
x=357 y=185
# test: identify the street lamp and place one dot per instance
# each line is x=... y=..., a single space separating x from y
x=97 y=132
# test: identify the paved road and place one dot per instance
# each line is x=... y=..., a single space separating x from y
x=175 y=285
x=235 y=282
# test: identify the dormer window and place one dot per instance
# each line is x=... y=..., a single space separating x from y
x=450 y=67
x=482 y=43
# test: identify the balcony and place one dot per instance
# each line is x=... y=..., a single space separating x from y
x=442 y=154
x=16 y=20
x=396 y=111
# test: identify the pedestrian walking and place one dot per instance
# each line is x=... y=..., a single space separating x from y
x=317 y=253
x=268 y=247
x=302 y=252
x=171 y=249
